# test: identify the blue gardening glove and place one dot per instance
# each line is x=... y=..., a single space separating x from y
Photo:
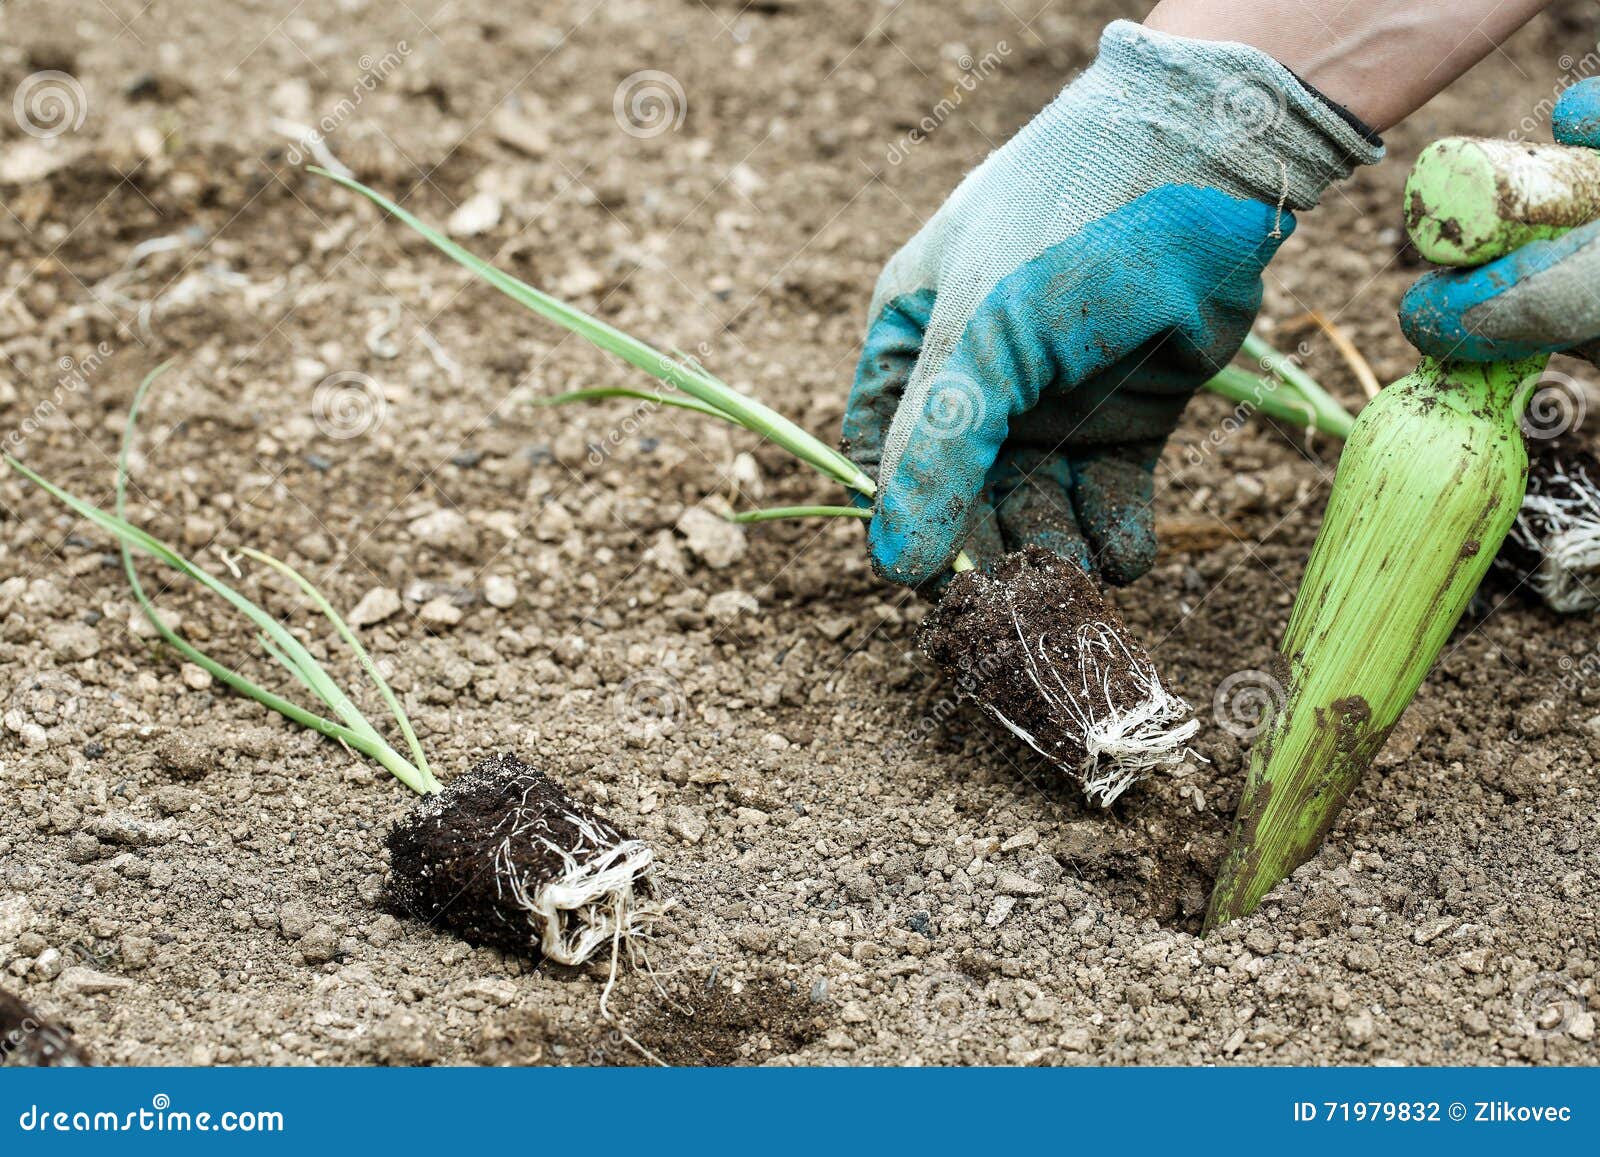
x=1034 y=344
x=1542 y=298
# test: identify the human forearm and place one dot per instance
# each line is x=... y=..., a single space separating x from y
x=1381 y=59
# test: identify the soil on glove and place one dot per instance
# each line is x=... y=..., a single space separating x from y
x=453 y=859
x=1024 y=641
x=185 y=878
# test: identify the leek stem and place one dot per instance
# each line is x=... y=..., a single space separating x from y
x=773 y=513
x=1283 y=401
x=1429 y=483
x=600 y=393
x=1323 y=404
x=349 y=636
x=687 y=376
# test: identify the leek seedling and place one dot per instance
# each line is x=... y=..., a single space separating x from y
x=1035 y=643
x=500 y=855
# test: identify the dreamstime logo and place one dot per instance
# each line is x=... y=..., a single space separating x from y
x=1248 y=106
x=345 y=1006
x=954 y=408
x=648 y=703
x=311 y=139
x=1245 y=702
x=1575 y=675
x=1552 y=404
x=1573 y=70
x=48 y=104
x=649 y=103
x=1547 y=1004
x=973 y=73
x=348 y=404
x=670 y=369
x=1267 y=386
x=74 y=375
x=949 y=1006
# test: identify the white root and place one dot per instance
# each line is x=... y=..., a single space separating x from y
x=594 y=901
x=1120 y=744
x=1563 y=530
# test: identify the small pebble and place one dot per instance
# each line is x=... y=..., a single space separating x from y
x=440 y=613
x=377 y=605
x=499 y=591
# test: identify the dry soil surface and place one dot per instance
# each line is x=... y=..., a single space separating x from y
x=864 y=872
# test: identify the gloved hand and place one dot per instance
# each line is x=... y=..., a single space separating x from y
x=1033 y=345
x=1542 y=298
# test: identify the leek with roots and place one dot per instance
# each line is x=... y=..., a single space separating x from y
x=501 y=855
x=1068 y=678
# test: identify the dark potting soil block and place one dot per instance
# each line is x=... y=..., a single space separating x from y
x=1554 y=545
x=1037 y=645
x=504 y=857
x=26 y=1038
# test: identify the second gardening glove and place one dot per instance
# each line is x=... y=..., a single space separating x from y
x=1542 y=298
x=1033 y=345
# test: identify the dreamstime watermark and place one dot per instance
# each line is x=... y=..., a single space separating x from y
x=347 y=405
x=1551 y=404
x=1573 y=69
x=1547 y=1004
x=954 y=407
x=50 y=103
x=973 y=73
x=40 y=705
x=682 y=364
x=1246 y=701
x=1248 y=105
x=374 y=72
x=1576 y=673
x=946 y=706
x=648 y=703
x=1267 y=386
x=159 y=1117
x=949 y=1006
x=73 y=374
x=649 y=103
x=346 y=1006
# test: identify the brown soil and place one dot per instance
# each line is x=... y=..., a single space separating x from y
x=186 y=879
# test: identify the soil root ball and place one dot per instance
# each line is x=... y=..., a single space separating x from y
x=1037 y=645
x=504 y=857
x=1555 y=543
x=26 y=1038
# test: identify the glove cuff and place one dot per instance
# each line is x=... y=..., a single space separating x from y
x=1245 y=121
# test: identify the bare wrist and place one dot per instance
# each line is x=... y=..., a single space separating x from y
x=1380 y=59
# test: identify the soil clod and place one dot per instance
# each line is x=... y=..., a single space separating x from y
x=504 y=857
x=1038 y=646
